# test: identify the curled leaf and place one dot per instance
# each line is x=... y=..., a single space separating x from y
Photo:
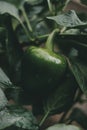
x=69 y=19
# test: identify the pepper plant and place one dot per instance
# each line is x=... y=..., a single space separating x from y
x=42 y=63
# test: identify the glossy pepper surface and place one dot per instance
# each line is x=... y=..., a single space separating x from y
x=42 y=66
x=42 y=70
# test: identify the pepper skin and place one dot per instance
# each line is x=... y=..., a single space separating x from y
x=42 y=70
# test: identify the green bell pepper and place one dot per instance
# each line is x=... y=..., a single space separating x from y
x=42 y=69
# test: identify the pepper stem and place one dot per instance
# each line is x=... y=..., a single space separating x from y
x=50 y=40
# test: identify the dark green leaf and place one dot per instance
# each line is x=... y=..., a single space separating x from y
x=8 y=8
x=19 y=117
x=69 y=19
x=84 y=1
x=41 y=29
x=72 y=32
x=63 y=127
x=79 y=70
x=7 y=119
x=15 y=2
x=34 y=2
x=62 y=98
x=11 y=91
x=4 y=80
x=2 y=40
x=3 y=99
x=18 y=3
x=2 y=33
x=26 y=121
x=35 y=10
x=3 y=77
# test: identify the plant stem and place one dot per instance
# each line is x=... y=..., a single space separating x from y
x=42 y=36
x=62 y=30
x=49 y=42
x=66 y=3
x=44 y=118
x=26 y=19
x=50 y=7
x=27 y=33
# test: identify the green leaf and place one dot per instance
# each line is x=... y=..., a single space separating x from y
x=17 y=116
x=18 y=3
x=84 y=1
x=34 y=2
x=26 y=118
x=63 y=127
x=69 y=19
x=15 y=2
x=4 y=77
x=3 y=99
x=62 y=96
x=7 y=119
x=4 y=80
x=8 y=8
x=61 y=99
x=11 y=91
x=72 y=32
x=79 y=70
